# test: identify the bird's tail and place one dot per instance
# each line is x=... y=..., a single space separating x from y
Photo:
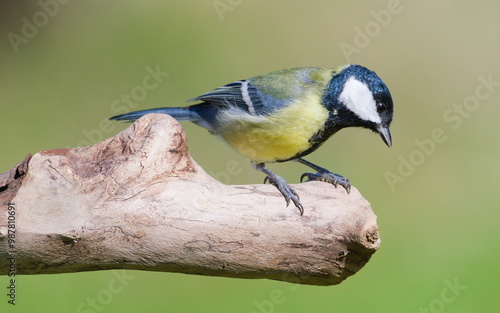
x=180 y=114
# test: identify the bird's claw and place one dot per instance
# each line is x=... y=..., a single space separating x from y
x=329 y=177
x=288 y=192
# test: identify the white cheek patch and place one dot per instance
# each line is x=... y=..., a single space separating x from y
x=358 y=98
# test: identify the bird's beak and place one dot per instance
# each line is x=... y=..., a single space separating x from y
x=385 y=134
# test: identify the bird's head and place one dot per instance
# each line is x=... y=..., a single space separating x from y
x=359 y=98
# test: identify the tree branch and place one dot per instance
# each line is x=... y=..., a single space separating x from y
x=139 y=201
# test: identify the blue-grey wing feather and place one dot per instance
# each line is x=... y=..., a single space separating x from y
x=233 y=94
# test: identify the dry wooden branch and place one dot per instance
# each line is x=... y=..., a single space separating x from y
x=138 y=201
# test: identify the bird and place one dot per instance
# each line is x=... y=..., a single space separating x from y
x=287 y=114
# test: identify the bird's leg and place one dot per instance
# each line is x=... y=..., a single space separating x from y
x=324 y=175
x=280 y=183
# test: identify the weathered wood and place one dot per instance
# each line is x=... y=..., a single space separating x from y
x=139 y=201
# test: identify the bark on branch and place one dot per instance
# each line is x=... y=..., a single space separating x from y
x=139 y=201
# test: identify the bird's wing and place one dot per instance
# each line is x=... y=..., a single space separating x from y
x=239 y=93
x=266 y=93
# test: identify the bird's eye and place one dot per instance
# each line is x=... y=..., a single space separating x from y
x=381 y=107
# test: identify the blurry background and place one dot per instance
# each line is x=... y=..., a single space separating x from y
x=66 y=66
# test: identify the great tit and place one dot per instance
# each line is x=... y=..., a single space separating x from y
x=287 y=114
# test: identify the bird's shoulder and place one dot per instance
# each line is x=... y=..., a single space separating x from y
x=292 y=83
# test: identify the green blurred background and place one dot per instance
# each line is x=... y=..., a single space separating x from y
x=435 y=198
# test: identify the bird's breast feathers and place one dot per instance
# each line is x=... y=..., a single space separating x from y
x=274 y=137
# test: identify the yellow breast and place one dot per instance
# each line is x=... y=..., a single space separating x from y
x=279 y=136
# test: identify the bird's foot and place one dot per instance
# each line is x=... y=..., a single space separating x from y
x=288 y=192
x=329 y=177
